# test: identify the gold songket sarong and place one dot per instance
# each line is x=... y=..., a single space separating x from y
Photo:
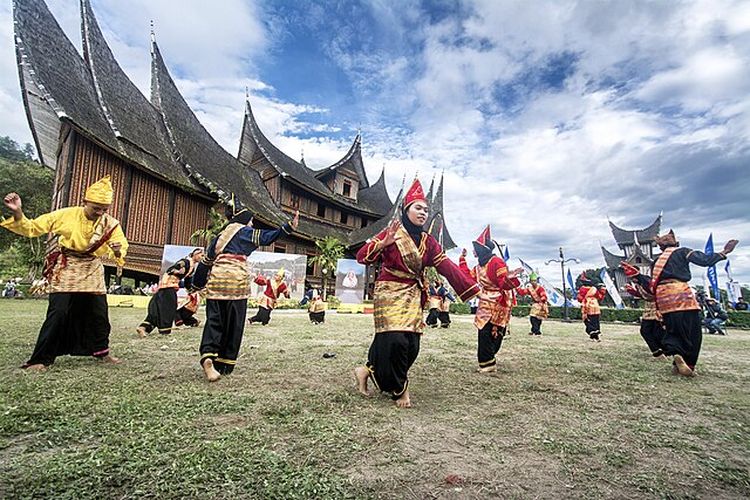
x=229 y=278
x=539 y=310
x=317 y=306
x=650 y=312
x=674 y=295
x=76 y=272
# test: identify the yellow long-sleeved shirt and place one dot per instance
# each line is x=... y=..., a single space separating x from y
x=73 y=229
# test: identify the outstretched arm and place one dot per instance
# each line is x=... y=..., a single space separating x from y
x=19 y=224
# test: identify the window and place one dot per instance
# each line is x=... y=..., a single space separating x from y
x=364 y=222
x=344 y=218
x=347 y=188
x=279 y=248
x=321 y=210
x=310 y=271
x=295 y=200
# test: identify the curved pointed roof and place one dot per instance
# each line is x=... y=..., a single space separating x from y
x=612 y=260
x=53 y=92
x=353 y=159
x=645 y=235
x=204 y=158
x=375 y=198
x=436 y=221
x=256 y=149
x=133 y=119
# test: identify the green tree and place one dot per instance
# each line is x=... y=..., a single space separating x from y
x=216 y=224
x=330 y=250
x=33 y=182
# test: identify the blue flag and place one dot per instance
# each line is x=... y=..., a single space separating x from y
x=728 y=270
x=572 y=283
x=711 y=271
x=507 y=254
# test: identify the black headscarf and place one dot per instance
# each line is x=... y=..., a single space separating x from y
x=484 y=253
x=414 y=230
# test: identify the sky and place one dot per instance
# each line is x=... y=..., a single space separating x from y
x=548 y=118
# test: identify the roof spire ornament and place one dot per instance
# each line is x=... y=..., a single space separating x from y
x=153 y=34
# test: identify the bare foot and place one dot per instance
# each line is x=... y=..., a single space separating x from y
x=487 y=369
x=208 y=368
x=404 y=401
x=141 y=331
x=361 y=374
x=36 y=367
x=111 y=359
x=660 y=357
x=682 y=367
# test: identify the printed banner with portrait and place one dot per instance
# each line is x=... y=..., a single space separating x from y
x=269 y=264
x=350 y=281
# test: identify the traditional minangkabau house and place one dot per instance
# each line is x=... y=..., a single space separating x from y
x=88 y=120
x=638 y=249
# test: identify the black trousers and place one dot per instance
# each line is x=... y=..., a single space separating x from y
x=76 y=324
x=445 y=319
x=432 y=318
x=683 y=335
x=318 y=317
x=390 y=356
x=489 y=342
x=186 y=317
x=536 y=325
x=263 y=316
x=222 y=333
x=162 y=309
x=592 y=326
x=653 y=332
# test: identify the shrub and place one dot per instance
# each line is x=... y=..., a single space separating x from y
x=739 y=319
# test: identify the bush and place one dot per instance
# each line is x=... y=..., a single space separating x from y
x=739 y=319
x=460 y=308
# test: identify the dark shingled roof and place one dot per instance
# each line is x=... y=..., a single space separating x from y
x=436 y=222
x=353 y=159
x=205 y=159
x=360 y=236
x=254 y=145
x=134 y=120
x=58 y=72
x=625 y=237
x=375 y=198
x=612 y=260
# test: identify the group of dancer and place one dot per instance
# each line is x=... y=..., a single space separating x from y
x=77 y=321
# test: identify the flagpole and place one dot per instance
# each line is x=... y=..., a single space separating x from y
x=562 y=260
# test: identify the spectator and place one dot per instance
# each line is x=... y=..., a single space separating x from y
x=715 y=317
x=741 y=305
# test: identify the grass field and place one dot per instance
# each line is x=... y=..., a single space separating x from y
x=562 y=417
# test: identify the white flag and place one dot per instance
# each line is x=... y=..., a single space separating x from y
x=611 y=289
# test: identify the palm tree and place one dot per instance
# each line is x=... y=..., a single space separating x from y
x=216 y=223
x=330 y=250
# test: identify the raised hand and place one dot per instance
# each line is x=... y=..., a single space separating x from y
x=730 y=246
x=115 y=248
x=295 y=221
x=13 y=202
x=515 y=272
x=390 y=234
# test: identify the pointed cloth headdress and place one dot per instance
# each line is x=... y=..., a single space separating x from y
x=100 y=192
x=415 y=193
x=483 y=246
x=667 y=240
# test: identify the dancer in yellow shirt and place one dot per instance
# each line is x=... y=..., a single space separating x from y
x=77 y=321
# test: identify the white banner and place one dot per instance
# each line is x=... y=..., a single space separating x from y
x=734 y=291
x=611 y=289
x=554 y=297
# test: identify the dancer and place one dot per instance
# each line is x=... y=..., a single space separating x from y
x=162 y=308
x=652 y=328
x=224 y=273
x=77 y=321
x=267 y=302
x=495 y=300
x=404 y=250
x=676 y=301
x=589 y=295
x=539 y=308
x=187 y=309
x=444 y=308
x=316 y=308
